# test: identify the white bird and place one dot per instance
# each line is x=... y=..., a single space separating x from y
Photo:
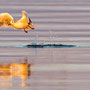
x=24 y=23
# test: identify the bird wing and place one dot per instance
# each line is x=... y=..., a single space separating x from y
x=5 y=19
x=24 y=17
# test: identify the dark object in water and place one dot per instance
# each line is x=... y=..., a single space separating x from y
x=48 y=46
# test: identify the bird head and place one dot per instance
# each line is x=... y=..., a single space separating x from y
x=30 y=25
x=29 y=21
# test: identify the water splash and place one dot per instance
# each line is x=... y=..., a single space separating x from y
x=42 y=45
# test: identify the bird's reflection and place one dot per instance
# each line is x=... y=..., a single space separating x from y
x=14 y=70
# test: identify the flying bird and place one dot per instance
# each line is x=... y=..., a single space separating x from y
x=24 y=23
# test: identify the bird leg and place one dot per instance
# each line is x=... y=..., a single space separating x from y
x=25 y=31
x=30 y=27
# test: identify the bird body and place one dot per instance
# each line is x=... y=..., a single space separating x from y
x=19 y=25
x=24 y=23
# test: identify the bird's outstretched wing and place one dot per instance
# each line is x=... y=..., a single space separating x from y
x=24 y=17
x=5 y=19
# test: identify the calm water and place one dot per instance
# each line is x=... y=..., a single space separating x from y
x=58 y=21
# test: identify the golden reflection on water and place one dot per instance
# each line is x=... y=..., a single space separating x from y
x=19 y=70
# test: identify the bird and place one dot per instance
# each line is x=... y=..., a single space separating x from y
x=24 y=23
